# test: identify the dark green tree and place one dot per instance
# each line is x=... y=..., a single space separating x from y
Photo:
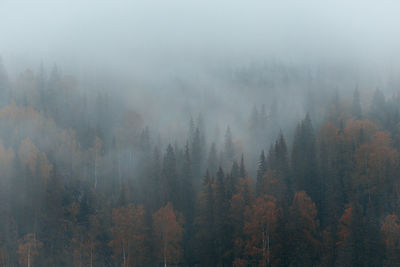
x=304 y=160
x=170 y=186
x=261 y=169
x=356 y=106
x=223 y=241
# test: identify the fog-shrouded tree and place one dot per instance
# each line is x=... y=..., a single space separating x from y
x=167 y=234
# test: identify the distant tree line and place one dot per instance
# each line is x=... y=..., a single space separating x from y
x=83 y=182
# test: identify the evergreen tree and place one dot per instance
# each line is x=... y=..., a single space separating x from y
x=170 y=178
x=3 y=83
x=197 y=153
x=205 y=223
x=261 y=169
x=278 y=162
x=212 y=160
x=188 y=206
x=53 y=223
x=235 y=174
x=356 y=106
x=242 y=168
x=378 y=107
x=229 y=152
x=304 y=161
x=222 y=226
x=156 y=181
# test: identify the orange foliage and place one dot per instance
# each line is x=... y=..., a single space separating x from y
x=28 y=155
x=240 y=263
x=391 y=231
x=304 y=215
x=306 y=209
x=168 y=233
x=261 y=224
x=129 y=235
x=28 y=248
x=354 y=128
x=6 y=160
x=344 y=225
x=374 y=162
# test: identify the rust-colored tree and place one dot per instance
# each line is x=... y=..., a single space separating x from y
x=303 y=228
x=129 y=236
x=239 y=204
x=259 y=229
x=374 y=171
x=28 y=249
x=168 y=233
x=391 y=234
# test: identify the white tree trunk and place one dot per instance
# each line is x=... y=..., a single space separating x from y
x=29 y=256
x=95 y=170
x=165 y=254
x=123 y=253
x=91 y=257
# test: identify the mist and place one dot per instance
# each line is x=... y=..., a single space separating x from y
x=148 y=48
x=187 y=133
x=169 y=37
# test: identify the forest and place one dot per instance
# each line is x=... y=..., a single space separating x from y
x=184 y=133
x=84 y=182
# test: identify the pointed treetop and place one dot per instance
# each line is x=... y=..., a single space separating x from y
x=242 y=170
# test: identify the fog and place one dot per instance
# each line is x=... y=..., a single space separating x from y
x=183 y=56
x=142 y=37
x=124 y=121
x=170 y=60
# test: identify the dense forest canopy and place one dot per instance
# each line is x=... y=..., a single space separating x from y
x=86 y=182
x=199 y=134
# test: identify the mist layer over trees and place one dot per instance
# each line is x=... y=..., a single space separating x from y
x=183 y=134
x=85 y=181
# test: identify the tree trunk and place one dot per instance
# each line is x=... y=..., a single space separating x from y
x=29 y=256
x=123 y=254
x=165 y=254
x=95 y=170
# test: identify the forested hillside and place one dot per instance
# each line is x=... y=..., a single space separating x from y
x=84 y=182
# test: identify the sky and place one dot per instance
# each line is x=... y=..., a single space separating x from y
x=154 y=50
x=175 y=35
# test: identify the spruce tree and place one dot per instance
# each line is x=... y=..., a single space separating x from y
x=304 y=161
x=170 y=178
x=229 y=152
x=261 y=169
x=222 y=227
x=242 y=168
x=212 y=161
x=356 y=106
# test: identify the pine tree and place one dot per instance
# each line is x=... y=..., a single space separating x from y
x=278 y=163
x=261 y=169
x=229 y=152
x=234 y=177
x=52 y=222
x=197 y=153
x=188 y=205
x=222 y=226
x=170 y=187
x=212 y=160
x=378 y=107
x=356 y=106
x=205 y=223
x=304 y=161
x=242 y=168
x=4 y=83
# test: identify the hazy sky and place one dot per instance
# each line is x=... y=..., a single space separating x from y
x=148 y=46
x=178 y=34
